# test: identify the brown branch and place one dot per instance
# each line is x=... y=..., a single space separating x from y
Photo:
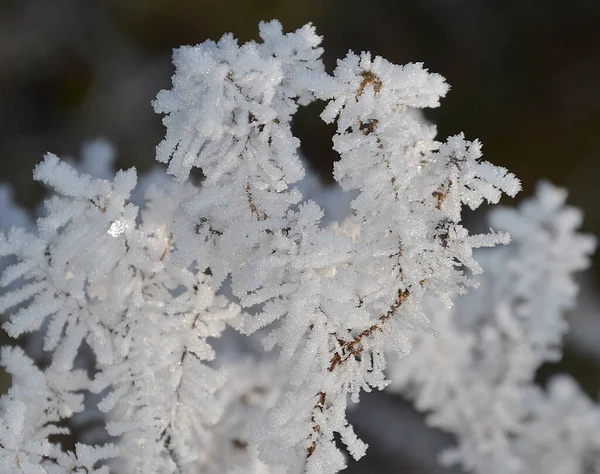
x=354 y=347
x=393 y=180
x=442 y=193
x=369 y=77
x=166 y=249
x=316 y=428
x=252 y=205
x=368 y=127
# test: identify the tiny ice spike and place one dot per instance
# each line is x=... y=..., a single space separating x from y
x=130 y=283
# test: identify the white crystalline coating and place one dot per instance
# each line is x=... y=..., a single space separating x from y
x=30 y=412
x=79 y=283
x=410 y=245
x=148 y=283
x=477 y=380
x=224 y=94
x=560 y=416
x=117 y=228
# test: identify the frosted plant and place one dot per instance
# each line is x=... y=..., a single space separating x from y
x=144 y=282
x=100 y=277
x=335 y=299
x=253 y=386
x=560 y=433
x=477 y=379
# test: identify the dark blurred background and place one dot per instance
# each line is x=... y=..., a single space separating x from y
x=525 y=79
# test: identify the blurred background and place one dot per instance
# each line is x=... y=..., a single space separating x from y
x=525 y=79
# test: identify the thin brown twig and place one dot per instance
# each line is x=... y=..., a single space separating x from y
x=316 y=428
x=252 y=205
x=354 y=347
x=369 y=77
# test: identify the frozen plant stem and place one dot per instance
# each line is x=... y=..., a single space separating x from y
x=331 y=300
